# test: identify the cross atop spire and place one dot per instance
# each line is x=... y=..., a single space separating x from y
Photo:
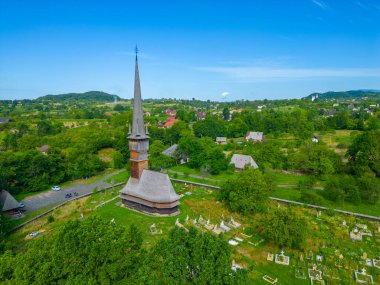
x=138 y=130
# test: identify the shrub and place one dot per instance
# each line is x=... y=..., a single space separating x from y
x=50 y=219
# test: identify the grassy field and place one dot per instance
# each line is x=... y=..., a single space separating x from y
x=120 y=177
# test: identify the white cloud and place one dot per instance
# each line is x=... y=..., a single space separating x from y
x=263 y=73
x=225 y=94
x=320 y=3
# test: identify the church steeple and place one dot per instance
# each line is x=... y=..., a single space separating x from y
x=138 y=137
x=138 y=129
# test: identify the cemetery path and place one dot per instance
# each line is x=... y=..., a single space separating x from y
x=50 y=198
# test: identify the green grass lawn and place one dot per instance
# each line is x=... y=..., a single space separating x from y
x=120 y=177
x=287 y=179
x=295 y=195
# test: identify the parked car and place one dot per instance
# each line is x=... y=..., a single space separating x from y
x=21 y=205
x=68 y=195
x=76 y=194
x=56 y=188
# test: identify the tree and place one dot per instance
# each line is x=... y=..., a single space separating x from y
x=93 y=251
x=369 y=187
x=179 y=129
x=203 y=152
x=192 y=258
x=246 y=192
x=343 y=188
x=210 y=127
x=118 y=160
x=226 y=114
x=316 y=158
x=156 y=158
x=364 y=153
x=284 y=227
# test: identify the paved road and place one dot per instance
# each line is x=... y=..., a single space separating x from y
x=50 y=198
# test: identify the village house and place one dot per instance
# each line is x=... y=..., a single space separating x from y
x=201 y=115
x=8 y=203
x=241 y=161
x=4 y=120
x=254 y=136
x=171 y=113
x=170 y=122
x=44 y=149
x=171 y=152
x=221 y=140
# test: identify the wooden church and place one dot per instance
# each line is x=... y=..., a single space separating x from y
x=146 y=191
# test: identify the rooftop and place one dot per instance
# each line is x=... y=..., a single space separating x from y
x=152 y=186
x=241 y=160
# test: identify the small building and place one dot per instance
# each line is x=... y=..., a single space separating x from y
x=221 y=140
x=171 y=152
x=170 y=122
x=254 y=136
x=44 y=149
x=171 y=113
x=4 y=120
x=241 y=161
x=316 y=138
x=201 y=115
x=7 y=202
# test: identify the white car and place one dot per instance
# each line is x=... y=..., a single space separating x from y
x=56 y=188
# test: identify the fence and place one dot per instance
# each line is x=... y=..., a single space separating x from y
x=369 y=217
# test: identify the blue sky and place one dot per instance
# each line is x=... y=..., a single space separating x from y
x=202 y=49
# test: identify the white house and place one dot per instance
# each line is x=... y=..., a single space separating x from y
x=255 y=136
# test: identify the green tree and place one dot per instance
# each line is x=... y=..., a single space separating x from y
x=246 y=192
x=210 y=127
x=156 y=158
x=226 y=114
x=192 y=258
x=364 y=153
x=369 y=187
x=118 y=160
x=93 y=251
x=283 y=227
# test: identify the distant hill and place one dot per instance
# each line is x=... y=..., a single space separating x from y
x=97 y=96
x=346 y=94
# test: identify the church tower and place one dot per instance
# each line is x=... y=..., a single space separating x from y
x=138 y=136
x=146 y=191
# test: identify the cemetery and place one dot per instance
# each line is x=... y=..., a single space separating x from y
x=330 y=255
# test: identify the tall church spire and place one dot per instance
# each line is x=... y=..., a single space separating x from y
x=138 y=130
x=138 y=137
